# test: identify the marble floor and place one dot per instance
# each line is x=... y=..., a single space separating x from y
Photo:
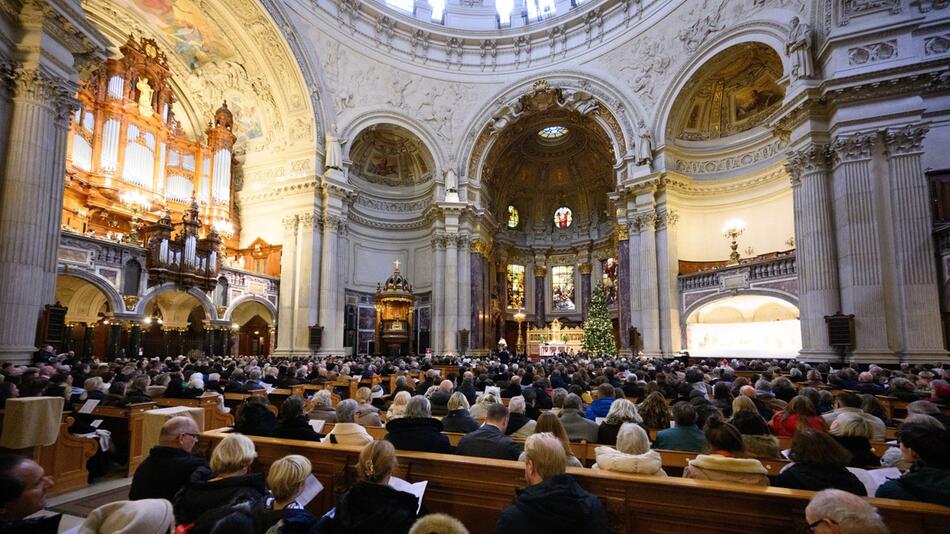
x=108 y=483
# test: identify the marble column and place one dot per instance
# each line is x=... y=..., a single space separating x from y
x=477 y=313
x=671 y=335
x=816 y=253
x=649 y=290
x=331 y=314
x=859 y=246
x=135 y=340
x=501 y=282
x=437 y=332
x=625 y=290
x=288 y=281
x=465 y=288
x=539 y=304
x=450 y=334
x=115 y=340
x=306 y=297
x=918 y=293
x=585 y=269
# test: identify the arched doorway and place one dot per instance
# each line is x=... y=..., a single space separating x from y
x=756 y=326
x=253 y=321
x=175 y=324
x=87 y=307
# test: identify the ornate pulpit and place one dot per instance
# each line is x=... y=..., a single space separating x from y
x=394 y=306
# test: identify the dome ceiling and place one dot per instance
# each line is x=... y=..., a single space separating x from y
x=390 y=155
x=734 y=92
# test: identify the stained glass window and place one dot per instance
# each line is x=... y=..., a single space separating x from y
x=513 y=218
x=552 y=132
x=563 y=217
x=562 y=288
x=516 y=286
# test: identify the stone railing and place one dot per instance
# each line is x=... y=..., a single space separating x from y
x=777 y=275
x=103 y=257
x=245 y=283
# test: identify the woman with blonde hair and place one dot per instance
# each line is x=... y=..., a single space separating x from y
x=632 y=454
x=621 y=411
x=480 y=410
x=366 y=413
x=398 y=408
x=372 y=505
x=458 y=419
x=226 y=483
x=549 y=422
x=654 y=412
x=286 y=480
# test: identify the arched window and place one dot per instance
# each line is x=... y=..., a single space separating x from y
x=131 y=278
x=221 y=292
x=513 y=218
x=563 y=217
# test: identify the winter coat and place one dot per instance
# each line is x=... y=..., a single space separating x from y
x=201 y=494
x=323 y=413
x=348 y=434
x=459 y=421
x=288 y=521
x=607 y=433
x=681 y=438
x=488 y=442
x=369 y=508
x=440 y=402
x=747 y=471
x=648 y=463
x=556 y=505
x=367 y=415
x=577 y=426
x=423 y=434
x=519 y=425
x=296 y=428
x=761 y=446
x=256 y=420
x=921 y=483
x=34 y=525
x=783 y=426
x=818 y=477
x=468 y=389
x=599 y=408
x=163 y=473
x=860 y=449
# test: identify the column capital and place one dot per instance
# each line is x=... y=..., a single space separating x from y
x=334 y=223
x=308 y=220
x=906 y=140
x=623 y=232
x=666 y=218
x=540 y=271
x=645 y=220
x=813 y=157
x=289 y=222
x=585 y=268
x=852 y=147
x=438 y=240
x=35 y=84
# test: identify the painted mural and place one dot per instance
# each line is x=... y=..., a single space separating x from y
x=196 y=39
x=247 y=122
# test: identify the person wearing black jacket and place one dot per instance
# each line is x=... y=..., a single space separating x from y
x=459 y=419
x=255 y=418
x=417 y=430
x=467 y=387
x=169 y=465
x=819 y=463
x=23 y=488
x=490 y=440
x=294 y=423
x=553 y=501
x=226 y=484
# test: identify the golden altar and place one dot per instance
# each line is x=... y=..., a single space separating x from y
x=554 y=339
x=394 y=307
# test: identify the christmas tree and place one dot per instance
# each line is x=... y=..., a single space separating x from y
x=598 y=331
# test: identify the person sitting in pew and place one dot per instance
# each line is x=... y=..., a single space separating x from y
x=169 y=465
x=632 y=454
x=440 y=398
x=725 y=461
x=226 y=484
x=286 y=479
x=925 y=407
x=548 y=422
x=137 y=390
x=255 y=418
x=116 y=395
x=371 y=506
x=438 y=524
x=398 y=407
x=685 y=435
x=323 y=406
x=578 y=427
x=798 y=413
x=214 y=383
x=654 y=411
x=621 y=411
x=23 y=489
x=756 y=435
x=854 y=433
x=8 y=390
x=194 y=388
x=520 y=426
x=418 y=430
x=458 y=419
x=346 y=431
x=236 y=383
x=850 y=403
x=553 y=500
x=294 y=423
x=601 y=406
x=928 y=449
x=366 y=413
x=819 y=463
x=490 y=440
x=833 y=511
x=484 y=401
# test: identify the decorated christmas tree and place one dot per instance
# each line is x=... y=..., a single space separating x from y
x=598 y=331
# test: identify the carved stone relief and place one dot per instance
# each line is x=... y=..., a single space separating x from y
x=871 y=53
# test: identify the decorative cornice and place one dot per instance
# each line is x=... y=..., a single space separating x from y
x=905 y=141
x=716 y=165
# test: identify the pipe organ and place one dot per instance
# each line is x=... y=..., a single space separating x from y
x=125 y=139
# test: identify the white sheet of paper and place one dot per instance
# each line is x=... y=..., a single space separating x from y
x=89 y=406
x=786 y=452
x=599 y=420
x=268 y=388
x=872 y=478
x=311 y=488
x=317 y=425
x=418 y=489
x=96 y=423
x=356 y=377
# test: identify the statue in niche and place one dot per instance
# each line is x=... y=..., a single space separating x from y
x=798 y=48
x=645 y=146
x=145 y=97
x=451 y=186
x=334 y=149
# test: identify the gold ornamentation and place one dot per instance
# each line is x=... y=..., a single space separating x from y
x=622 y=233
x=130 y=301
x=540 y=271
x=585 y=268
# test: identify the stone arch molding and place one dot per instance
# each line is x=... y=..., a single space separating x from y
x=621 y=117
x=371 y=118
x=211 y=313
x=251 y=298
x=762 y=292
x=766 y=29
x=116 y=304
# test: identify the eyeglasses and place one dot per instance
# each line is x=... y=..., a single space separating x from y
x=196 y=436
x=811 y=527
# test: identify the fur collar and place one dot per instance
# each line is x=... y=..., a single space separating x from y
x=648 y=463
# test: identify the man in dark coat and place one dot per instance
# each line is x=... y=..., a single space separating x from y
x=553 y=501
x=490 y=440
x=25 y=486
x=468 y=388
x=170 y=464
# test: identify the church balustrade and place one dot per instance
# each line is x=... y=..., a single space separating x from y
x=777 y=275
x=243 y=284
x=102 y=259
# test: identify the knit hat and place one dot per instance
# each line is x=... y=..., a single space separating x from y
x=147 y=516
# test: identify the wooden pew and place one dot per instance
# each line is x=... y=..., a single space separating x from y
x=475 y=490
x=233 y=399
x=126 y=425
x=207 y=402
x=65 y=460
x=879 y=447
x=279 y=395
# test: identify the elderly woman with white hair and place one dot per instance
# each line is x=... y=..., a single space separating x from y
x=195 y=387
x=322 y=406
x=632 y=454
x=519 y=424
x=346 y=431
x=836 y=511
x=480 y=410
x=418 y=430
x=398 y=408
x=621 y=411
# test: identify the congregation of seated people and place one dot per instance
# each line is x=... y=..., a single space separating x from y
x=830 y=421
